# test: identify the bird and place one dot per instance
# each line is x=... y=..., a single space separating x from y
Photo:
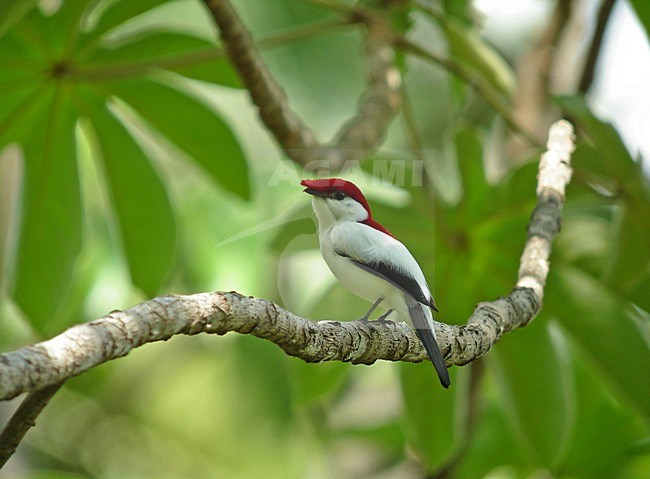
x=371 y=263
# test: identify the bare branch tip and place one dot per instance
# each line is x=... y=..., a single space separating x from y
x=562 y=138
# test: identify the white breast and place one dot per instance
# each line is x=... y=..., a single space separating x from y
x=357 y=280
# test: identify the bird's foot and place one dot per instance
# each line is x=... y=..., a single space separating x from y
x=382 y=318
x=365 y=317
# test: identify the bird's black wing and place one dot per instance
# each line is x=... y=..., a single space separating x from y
x=411 y=287
x=389 y=273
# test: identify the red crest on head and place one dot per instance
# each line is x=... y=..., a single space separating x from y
x=330 y=185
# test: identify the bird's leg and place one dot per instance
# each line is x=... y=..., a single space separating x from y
x=372 y=308
x=382 y=318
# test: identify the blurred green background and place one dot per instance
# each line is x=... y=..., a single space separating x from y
x=133 y=165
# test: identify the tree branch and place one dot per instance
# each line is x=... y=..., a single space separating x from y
x=87 y=345
x=23 y=420
x=267 y=94
x=531 y=107
x=604 y=14
x=359 y=135
x=362 y=133
x=494 y=99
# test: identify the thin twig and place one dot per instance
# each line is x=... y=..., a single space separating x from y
x=430 y=11
x=358 y=136
x=24 y=419
x=361 y=134
x=121 y=69
x=494 y=99
x=268 y=95
x=501 y=105
x=331 y=5
x=532 y=103
x=604 y=14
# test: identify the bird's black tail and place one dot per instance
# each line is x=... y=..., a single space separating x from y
x=424 y=329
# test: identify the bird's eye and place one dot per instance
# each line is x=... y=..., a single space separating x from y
x=338 y=195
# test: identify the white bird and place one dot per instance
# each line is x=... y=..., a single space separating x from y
x=370 y=262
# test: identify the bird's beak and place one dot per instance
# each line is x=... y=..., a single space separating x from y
x=313 y=192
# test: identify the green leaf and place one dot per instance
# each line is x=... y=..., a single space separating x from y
x=497 y=243
x=13 y=108
x=517 y=189
x=586 y=238
x=449 y=285
x=435 y=417
x=21 y=79
x=53 y=474
x=617 y=161
x=492 y=444
x=613 y=168
x=120 y=11
x=603 y=327
x=605 y=431
x=194 y=128
x=629 y=269
x=463 y=10
x=50 y=230
x=466 y=45
x=25 y=46
x=146 y=222
x=183 y=54
x=469 y=155
x=22 y=66
x=59 y=32
x=589 y=168
x=538 y=392
x=12 y=11
x=642 y=9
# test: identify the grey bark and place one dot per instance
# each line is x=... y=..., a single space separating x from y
x=86 y=345
x=360 y=135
